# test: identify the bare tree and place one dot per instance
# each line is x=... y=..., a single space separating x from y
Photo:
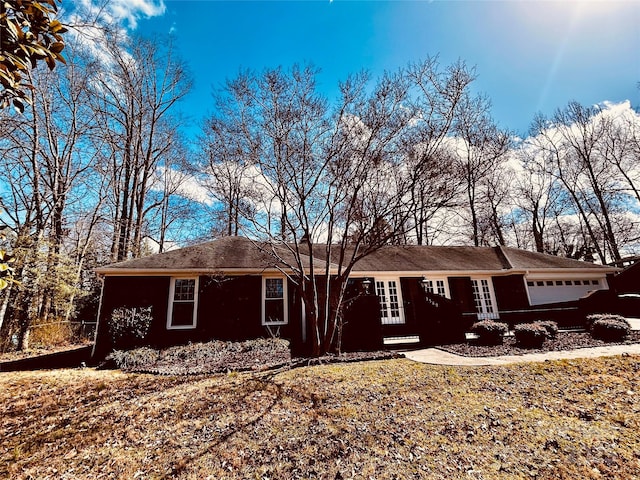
x=536 y=195
x=46 y=155
x=67 y=154
x=620 y=147
x=436 y=187
x=227 y=167
x=336 y=183
x=496 y=190
x=573 y=143
x=481 y=148
x=436 y=97
x=134 y=95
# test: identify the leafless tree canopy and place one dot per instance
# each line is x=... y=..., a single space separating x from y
x=97 y=171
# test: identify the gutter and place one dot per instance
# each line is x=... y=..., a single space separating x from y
x=95 y=334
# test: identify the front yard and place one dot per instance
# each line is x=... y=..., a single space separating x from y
x=378 y=419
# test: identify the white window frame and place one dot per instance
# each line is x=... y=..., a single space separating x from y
x=285 y=301
x=434 y=285
x=386 y=303
x=485 y=309
x=172 y=291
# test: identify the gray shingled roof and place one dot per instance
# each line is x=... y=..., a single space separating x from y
x=409 y=258
x=224 y=253
x=240 y=253
x=526 y=260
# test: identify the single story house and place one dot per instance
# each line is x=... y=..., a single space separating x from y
x=232 y=289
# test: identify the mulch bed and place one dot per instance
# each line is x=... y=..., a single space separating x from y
x=219 y=357
x=563 y=341
x=347 y=357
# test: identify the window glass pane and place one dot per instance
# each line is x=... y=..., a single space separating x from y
x=273 y=311
x=274 y=288
x=382 y=297
x=487 y=296
x=440 y=286
x=393 y=299
x=182 y=314
x=184 y=289
x=428 y=286
x=595 y=282
x=476 y=296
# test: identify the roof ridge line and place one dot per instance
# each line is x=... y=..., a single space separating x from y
x=503 y=254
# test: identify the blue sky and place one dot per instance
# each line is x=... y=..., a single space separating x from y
x=530 y=56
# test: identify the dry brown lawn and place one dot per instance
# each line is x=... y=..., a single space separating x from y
x=378 y=419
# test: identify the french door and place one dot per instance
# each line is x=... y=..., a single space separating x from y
x=390 y=297
x=484 y=299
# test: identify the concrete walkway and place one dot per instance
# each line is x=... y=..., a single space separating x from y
x=439 y=357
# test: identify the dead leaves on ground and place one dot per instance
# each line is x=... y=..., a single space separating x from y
x=384 y=419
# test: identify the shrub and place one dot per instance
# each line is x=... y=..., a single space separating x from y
x=598 y=316
x=550 y=326
x=489 y=332
x=611 y=328
x=210 y=357
x=530 y=335
x=52 y=334
x=134 y=359
x=129 y=326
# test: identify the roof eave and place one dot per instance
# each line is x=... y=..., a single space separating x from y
x=601 y=270
x=174 y=272
x=438 y=273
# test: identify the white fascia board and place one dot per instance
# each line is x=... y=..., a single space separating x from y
x=138 y=272
x=567 y=273
x=531 y=273
x=163 y=272
x=432 y=273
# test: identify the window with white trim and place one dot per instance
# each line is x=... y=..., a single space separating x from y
x=274 y=301
x=183 y=303
x=435 y=286
x=390 y=300
x=484 y=298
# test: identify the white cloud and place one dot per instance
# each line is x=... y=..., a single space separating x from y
x=183 y=184
x=92 y=19
x=101 y=28
x=126 y=13
x=132 y=10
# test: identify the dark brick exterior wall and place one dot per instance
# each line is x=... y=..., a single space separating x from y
x=229 y=308
x=131 y=292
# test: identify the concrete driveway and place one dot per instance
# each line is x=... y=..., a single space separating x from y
x=436 y=356
x=439 y=357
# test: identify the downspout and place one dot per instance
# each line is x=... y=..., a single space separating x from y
x=95 y=335
x=526 y=286
x=304 y=322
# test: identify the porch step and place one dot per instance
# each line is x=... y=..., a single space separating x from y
x=401 y=340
